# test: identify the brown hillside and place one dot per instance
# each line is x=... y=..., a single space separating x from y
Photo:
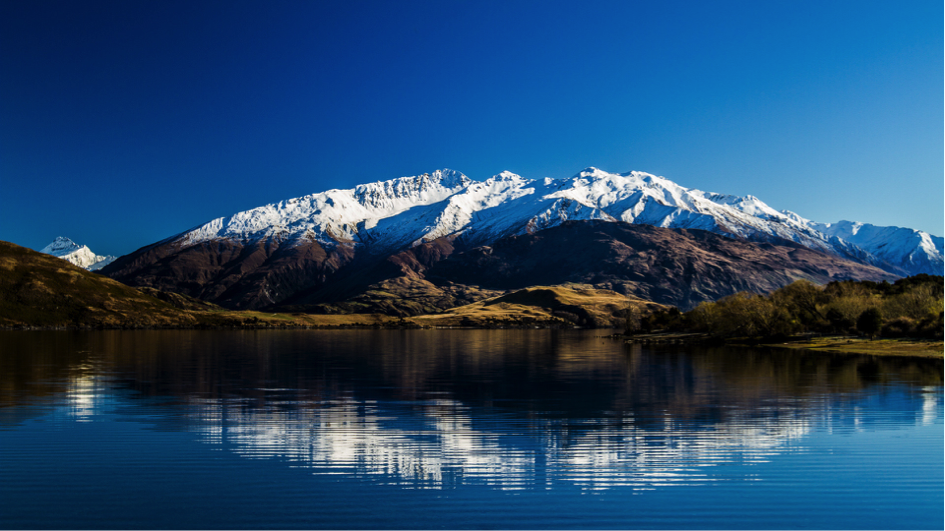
x=544 y=305
x=229 y=274
x=668 y=266
x=44 y=291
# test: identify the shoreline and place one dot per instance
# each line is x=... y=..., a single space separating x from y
x=900 y=347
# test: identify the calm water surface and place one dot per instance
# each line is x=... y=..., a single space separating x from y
x=458 y=429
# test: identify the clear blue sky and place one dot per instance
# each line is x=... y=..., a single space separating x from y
x=122 y=123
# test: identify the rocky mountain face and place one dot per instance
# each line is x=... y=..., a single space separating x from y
x=669 y=266
x=385 y=217
x=672 y=266
x=239 y=275
x=76 y=254
x=346 y=250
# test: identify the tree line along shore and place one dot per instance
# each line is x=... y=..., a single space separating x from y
x=905 y=316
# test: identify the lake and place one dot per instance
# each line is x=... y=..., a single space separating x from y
x=424 y=429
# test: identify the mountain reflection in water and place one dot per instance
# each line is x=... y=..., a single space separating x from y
x=433 y=409
x=442 y=442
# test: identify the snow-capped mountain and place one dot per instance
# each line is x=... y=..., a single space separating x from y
x=435 y=241
x=912 y=250
x=390 y=215
x=76 y=254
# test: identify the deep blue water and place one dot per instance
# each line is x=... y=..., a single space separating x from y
x=459 y=429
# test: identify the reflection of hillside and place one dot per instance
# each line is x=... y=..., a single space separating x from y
x=692 y=376
x=429 y=409
x=440 y=444
x=571 y=375
x=40 y=367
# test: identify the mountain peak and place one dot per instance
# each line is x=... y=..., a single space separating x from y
x=61 y=244
x=74 y=253
x=505 y=175
x=449 y=177
x=592 y=172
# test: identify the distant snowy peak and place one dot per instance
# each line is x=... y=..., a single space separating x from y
x=76 y=254
x=61 y=246
x=398 y=213
x=910 y=249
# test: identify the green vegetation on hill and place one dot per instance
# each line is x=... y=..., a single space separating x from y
x=911 y=307
x=401 y=297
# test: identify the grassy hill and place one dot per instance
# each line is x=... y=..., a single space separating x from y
x=42 y=291
x=39 y=290
x=543 y=306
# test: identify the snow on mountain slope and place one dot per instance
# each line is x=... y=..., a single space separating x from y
x=76 y=254
x=913 y=250
x=335 y=216
x=399 y=213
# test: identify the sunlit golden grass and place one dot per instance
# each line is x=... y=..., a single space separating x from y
x=876 y=347
x=263 y=319
x=542 y=306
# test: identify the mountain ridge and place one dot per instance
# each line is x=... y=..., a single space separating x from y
x=410 y=245
x=387 y=216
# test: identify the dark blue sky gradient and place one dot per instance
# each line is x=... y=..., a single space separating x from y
x=123 y=123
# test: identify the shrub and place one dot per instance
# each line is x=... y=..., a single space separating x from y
x=670 y=319
x=632 y=320
x=931 y=327
x=839 y=323
x=870 y=322
x=900 y=327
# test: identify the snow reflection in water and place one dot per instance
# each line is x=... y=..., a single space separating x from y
x=329 y=429
x=437 y=443
x=507 y=410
